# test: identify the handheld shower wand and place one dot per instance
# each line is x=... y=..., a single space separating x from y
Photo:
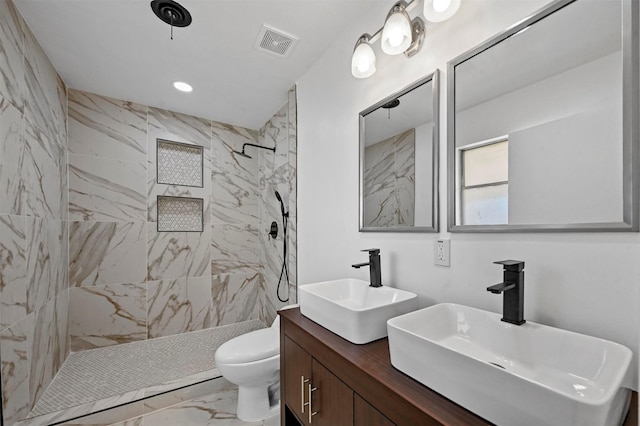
x=285 y=270
x=281 y=205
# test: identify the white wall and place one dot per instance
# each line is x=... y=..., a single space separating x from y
x=585 y=282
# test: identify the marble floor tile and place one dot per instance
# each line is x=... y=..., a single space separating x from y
x=218 y=409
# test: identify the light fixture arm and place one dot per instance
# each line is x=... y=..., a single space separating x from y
x=417 y=31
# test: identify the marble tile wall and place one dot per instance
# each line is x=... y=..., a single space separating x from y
x=128 y=281
x=34 y=300
x=278 y=173
x=389 y=181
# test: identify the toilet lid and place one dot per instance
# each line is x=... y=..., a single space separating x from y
x=252 y=346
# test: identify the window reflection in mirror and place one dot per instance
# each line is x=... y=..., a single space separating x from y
x=398 y=161
x=484 y=196
x=554 y=84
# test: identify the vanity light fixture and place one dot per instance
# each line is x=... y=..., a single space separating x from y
x=440 y=10
x=363 y=61
x=400 y=34
x=396 y=33
x=182 y=86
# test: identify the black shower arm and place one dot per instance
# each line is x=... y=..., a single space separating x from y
x=258 y=146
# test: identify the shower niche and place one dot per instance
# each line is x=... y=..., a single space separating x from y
x=179 y=164
x=180 y=214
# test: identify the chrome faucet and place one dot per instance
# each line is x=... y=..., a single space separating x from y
x=512 y=289
x=375 y=279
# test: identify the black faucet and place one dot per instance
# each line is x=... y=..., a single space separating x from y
x=374 y=267
x=512 y=290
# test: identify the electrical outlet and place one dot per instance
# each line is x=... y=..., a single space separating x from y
x=443 y=252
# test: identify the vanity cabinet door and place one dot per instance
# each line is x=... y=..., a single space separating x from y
x=365 y=414
x=297 y=377
x=332 y=400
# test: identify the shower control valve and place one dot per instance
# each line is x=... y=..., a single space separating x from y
x=273 y=232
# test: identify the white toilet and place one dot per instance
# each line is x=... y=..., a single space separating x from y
x=252 y=361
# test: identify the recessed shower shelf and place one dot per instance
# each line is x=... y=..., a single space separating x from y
x=179 y=163
x=180 y=214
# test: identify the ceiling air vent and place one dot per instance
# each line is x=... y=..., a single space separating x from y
x=275 y=42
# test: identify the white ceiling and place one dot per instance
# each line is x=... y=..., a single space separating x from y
x=415 y=109
x=119 y=48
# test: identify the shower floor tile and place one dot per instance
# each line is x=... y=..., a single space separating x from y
x=96 y=379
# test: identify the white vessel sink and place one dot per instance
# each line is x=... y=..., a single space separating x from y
x=352 y=309
x=512 y=375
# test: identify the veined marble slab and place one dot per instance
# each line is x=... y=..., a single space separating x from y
x=12 y=154
x=106 y=127
x=12 y=84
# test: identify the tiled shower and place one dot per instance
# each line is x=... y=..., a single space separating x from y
x=82 y=264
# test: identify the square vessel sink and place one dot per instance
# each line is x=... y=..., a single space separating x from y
x=352 y=309
x=512 y=375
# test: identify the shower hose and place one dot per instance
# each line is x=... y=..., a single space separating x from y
x=284 y=271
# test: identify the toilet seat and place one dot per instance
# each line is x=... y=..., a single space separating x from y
x=253 y=346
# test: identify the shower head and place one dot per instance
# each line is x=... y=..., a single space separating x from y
x=242 y=153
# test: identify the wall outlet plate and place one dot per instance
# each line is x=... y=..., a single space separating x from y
x=443 y=252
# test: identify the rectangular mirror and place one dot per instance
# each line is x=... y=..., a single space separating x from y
x=399 y=161
x=543 y=123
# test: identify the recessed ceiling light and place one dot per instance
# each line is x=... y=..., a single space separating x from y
x=182 y=86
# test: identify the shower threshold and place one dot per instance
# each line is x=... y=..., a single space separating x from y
x=100 y=379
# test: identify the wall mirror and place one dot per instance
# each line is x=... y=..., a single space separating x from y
x=399 y=161
x=543 y=123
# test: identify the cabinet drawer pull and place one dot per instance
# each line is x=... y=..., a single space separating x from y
x=302 y=382
x=311 y=412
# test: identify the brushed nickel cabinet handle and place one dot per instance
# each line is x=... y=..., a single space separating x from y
x=302 y=382
x=311 y=412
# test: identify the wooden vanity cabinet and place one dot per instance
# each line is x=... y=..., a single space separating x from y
x=326 y=380
x=317 y=397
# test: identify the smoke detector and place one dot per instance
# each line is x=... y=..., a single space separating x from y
x=275 y=42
